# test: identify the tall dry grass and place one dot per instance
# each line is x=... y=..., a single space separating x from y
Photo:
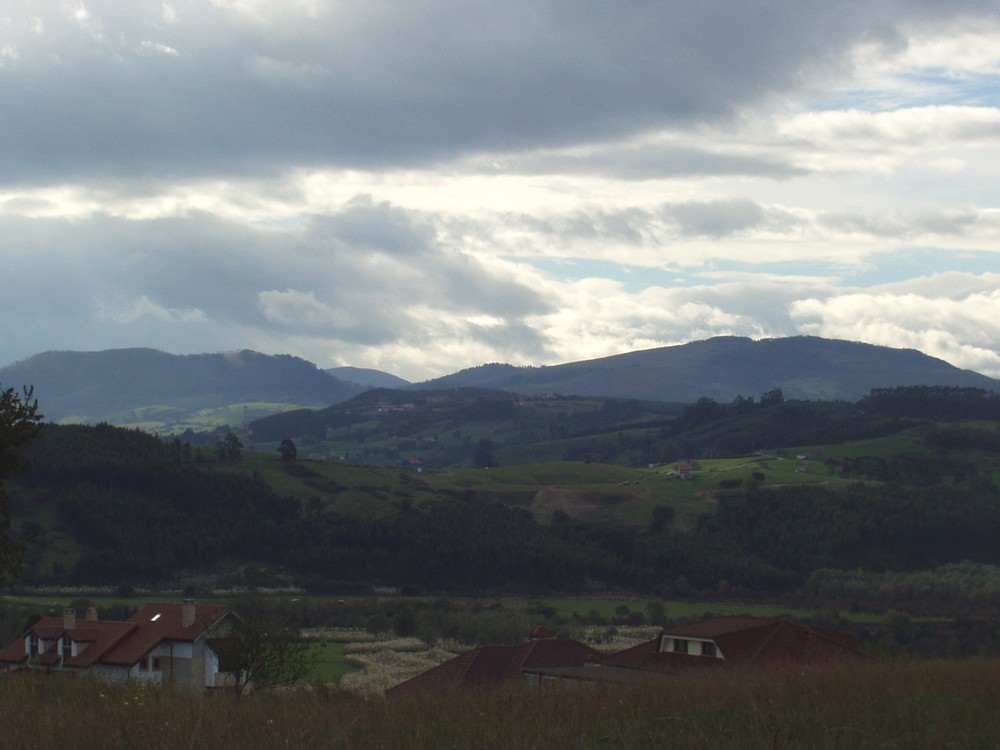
x=876 y=705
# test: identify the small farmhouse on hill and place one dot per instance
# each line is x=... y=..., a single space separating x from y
x=160 y=643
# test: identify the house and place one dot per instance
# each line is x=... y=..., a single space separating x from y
x=738 y=639
x=496 y=666
x=159 y=643
x=716 y=643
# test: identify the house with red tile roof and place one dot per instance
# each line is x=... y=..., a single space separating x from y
x=496 y=666
x=715 y=643
x=738 y=639
x=162 y=642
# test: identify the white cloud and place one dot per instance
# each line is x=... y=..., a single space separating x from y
x=962 y=330
x=302 y=310
x=430 y=185
x=129 y=313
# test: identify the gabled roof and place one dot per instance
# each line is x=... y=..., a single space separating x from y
x=494 y=665
x=99 y=635
x=742 y=639
x=116 y=642
x=157 y=623
x=647 y=657
x=718 y=626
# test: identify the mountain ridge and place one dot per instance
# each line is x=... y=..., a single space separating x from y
x=803 y=367
x=145 y=386
x=114 y=385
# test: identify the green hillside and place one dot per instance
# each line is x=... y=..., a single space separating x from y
x=114 y=506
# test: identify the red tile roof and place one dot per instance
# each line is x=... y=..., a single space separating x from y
x=742 y=639
x=109 y=634
x=494 y=665
x=162 y=622
x=115 y=642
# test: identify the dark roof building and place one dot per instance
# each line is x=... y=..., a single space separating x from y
x=497 y=665
x=162 y=642
x=707 y=644
x=738 y=639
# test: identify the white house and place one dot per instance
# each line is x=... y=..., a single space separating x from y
x=162 y=642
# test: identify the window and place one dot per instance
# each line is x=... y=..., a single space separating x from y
x=156 y=663
x=680 y=646
x=708 y=649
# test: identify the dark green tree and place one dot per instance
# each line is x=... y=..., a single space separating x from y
x=263 y=653
x=772 y=398
x=287 y=450
x=19 y=425
x=230 y=448
x=482 y=456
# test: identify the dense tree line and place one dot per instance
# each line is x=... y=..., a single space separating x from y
x=943 y=590
x=939 y=403
x=386 y=424
x=142 y=513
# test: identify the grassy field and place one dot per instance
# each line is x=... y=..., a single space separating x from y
x=328 y=663
x=882 y=705
x=602 y=493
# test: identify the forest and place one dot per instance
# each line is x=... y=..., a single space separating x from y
x=136 y=510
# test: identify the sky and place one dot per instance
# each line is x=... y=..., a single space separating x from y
x=420 y=186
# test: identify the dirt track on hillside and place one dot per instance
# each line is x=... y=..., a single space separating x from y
x=550 y=499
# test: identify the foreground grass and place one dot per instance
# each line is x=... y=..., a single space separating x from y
x=876 y=705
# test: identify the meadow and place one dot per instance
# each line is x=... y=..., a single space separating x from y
x=879 y=704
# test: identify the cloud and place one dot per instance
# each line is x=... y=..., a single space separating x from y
x=252 y=87
x=428 y=185
x=368 y=275
x=959 y=326
x=301 y=311
x=143 y=308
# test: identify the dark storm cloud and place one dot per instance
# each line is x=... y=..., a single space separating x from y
x=190 y=88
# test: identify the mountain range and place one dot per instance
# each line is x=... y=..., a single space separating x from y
x=722 y=368
x=146 y=386
x=164 y=392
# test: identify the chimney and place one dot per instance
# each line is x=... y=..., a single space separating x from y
x=92 y=613
x=187 y=613
x=69 y=618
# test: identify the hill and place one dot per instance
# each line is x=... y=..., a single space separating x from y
x=448 y=427
x=170 y=394
x=722 y=368
x=499 y=428
x=368 y=377
x=109 y=505
x=167 y=392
